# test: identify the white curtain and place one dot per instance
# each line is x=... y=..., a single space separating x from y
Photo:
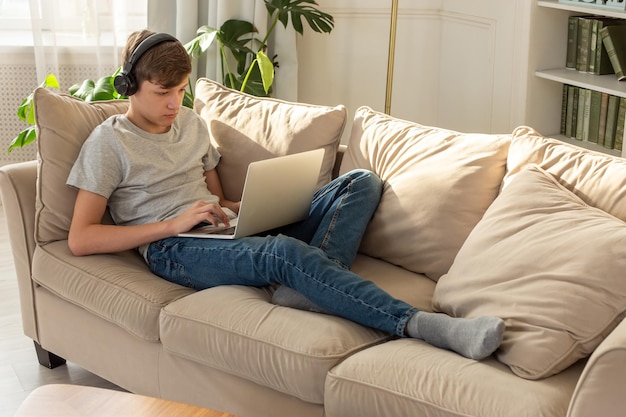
x=183 y=17
x=78 y=39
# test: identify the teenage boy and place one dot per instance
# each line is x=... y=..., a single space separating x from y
x=155 y=168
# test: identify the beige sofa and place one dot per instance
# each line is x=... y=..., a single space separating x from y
x=516 y=225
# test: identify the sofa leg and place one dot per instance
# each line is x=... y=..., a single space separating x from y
x=48 y=359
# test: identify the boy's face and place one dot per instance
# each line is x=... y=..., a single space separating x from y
x=154 y=108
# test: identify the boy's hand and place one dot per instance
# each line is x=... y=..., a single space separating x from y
x=198 y=212
x=232 y=205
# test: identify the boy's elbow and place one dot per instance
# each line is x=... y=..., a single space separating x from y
x=76 y=246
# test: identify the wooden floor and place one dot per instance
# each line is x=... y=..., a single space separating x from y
x=20 y=372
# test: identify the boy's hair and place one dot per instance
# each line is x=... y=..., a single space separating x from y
x=167 y=63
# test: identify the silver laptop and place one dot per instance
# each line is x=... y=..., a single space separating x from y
x=277 y=192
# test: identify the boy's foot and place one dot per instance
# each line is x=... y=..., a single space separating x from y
x=474 y=338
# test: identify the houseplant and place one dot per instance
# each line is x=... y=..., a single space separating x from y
x=252 y=73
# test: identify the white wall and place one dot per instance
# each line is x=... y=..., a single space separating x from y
x=460 y=64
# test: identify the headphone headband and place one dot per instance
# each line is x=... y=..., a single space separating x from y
x=125 y=82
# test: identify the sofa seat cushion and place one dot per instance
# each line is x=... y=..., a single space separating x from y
x=117 y=287
x=406 y=378
x=415 y=289
x=237 y=330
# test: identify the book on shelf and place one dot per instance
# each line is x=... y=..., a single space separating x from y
x=601 y=64
x=604 y=109
x=593 y=116
x=592 y=124
x=581 y=113
x=572 y=42
x=619 y=124
x=571 y=111
x=614 y=40
x=575 y=112
x=584 y=42
x=585 y=48
x=564 y=106
x=611 y=122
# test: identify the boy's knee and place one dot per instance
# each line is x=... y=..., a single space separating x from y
x=369 y=179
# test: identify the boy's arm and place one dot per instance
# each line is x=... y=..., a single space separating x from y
x=89 y=236
x=214 y=184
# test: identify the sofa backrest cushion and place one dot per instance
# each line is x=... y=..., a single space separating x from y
x=243 y=128
x=63 y=124
x=246 y=128
x=437 y=185
x=590 y=175
x=547 y=263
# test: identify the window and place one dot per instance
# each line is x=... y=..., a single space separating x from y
x=71 y=21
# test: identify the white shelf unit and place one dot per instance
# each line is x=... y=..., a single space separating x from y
x=551 y=41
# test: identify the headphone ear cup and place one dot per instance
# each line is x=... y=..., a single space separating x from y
x=125 y=84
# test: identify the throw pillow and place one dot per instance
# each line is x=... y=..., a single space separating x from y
x=547 y=263
x=245 y=128
x=63 y=124
x=590 y=175
x=438 y=184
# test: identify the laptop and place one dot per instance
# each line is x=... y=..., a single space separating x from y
x=277 y=191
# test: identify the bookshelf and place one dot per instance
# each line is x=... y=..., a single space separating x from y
x=590 y=9
x=549 y=46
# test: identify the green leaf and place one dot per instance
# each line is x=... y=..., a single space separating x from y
x=283 y=17
x=74 y=88
x=297 y=10
x=51 y=81
x=103 y=90
x=266 y=66
x=232 y=30
x=26 y=110
x=235 y=35
x=206 y=35
x=188 y=100
x=84 y=89
x=254 y=85
x=230 y=80
x=25 y=137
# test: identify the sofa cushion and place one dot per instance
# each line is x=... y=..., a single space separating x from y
x=245 y=128
x=547 y=263
x=63 y=124
x=438 y=184
x=407 y=378
x=590 y=175
x=415 y=289
x=237 y=330
x=116 y=287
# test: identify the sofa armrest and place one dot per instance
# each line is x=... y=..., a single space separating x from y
x=600 y=389
x=18 y=192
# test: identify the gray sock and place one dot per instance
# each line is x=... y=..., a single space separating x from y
x=474 y=338
x=288 y=297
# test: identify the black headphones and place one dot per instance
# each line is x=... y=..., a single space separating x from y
x=125 y=82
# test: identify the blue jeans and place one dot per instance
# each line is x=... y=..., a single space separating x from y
x=312 y=257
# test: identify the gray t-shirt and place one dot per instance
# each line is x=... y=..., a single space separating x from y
x=146 y=177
